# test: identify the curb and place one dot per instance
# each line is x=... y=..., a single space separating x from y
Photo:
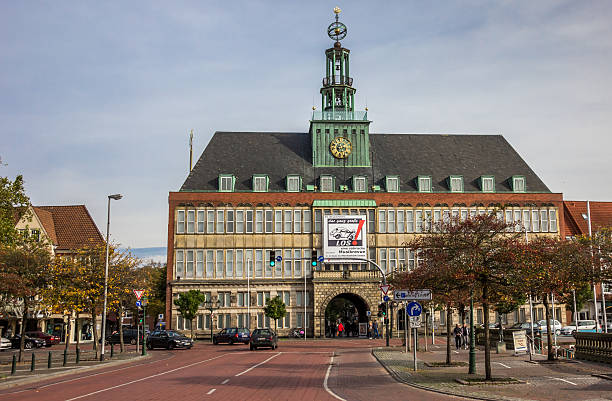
x=421 y=387
x=43 y=376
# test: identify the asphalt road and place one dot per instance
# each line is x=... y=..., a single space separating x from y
x=312 y=370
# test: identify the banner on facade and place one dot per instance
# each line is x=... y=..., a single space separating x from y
x=344 y=238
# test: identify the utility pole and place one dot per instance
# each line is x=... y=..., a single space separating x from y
x=190 y=150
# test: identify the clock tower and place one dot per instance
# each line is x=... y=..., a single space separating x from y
x=340 y=135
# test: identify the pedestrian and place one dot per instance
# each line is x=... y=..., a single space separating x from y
x=375 y=328
x=466 y=334
x=458 y=334
x=340 y=329
x=370 y=330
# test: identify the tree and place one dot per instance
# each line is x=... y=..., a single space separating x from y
x=188 y=304
x=13 y=203
x=24 y=273
x=275 y=309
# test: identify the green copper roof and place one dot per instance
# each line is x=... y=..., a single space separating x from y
x=344 y=203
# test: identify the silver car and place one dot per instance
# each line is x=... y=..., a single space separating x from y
x=5 y=343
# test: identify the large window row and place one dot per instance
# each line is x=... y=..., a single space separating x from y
x=240 y=263
x=225 y=320
x=243 y=221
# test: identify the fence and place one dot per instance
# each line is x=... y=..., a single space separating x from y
x=595 y=347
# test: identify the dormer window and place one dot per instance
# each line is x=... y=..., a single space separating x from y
x=487 y=183
x=226 y=182
x=294 y=183
x=326 y=183
x=260 y=183
x=360 y=184
x=392 y=183
x=424 y=183
x=455 y=183
x=518 y=183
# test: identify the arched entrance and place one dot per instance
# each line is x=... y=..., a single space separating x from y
x=346 y=308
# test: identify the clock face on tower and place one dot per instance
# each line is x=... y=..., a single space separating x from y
x=340 y=147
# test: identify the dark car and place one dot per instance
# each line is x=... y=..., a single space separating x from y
x=49 y=339
x=29 y=342
x=168 y=339
x=232 y=335
x=264 y=338
x=129 y=337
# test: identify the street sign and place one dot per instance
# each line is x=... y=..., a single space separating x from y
x=369 y=313
x=279 y=258
x=414 y=295
x=519 y=338
x=344 y=238
x=415 y=322
x=386 y=298
x=160 y=316
x=384 y=289
x=138 y=293
x=414 y=309
x=138 y=303
x=321 y=258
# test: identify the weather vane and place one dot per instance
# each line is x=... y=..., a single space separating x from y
x=336 y=30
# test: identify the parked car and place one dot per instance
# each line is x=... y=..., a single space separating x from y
x=583 y=325
x=48 y=338
x=263 y=338
x=5 y=343
x=168 y=339
x=232 y=335
x=554 y=324
x=525 y=326
x=129 y=337
x=29 y=342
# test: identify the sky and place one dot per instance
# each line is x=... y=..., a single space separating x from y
x=98 y=98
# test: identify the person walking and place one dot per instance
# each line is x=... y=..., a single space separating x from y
x=340 y=329
x=458 y=334
x=466 y=336
x=375 y=328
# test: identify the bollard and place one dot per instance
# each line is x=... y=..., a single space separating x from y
x=112 y=350
x=78 y=356
x=33 y=366
x=49 y=361
x=65 y=357
x=14 y=365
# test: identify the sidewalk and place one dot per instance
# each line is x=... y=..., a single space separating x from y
x=565 y=380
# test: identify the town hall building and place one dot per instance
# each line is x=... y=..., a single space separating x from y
x=238 y=205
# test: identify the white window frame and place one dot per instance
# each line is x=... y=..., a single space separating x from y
x=326 y=183
x=360 y=184
x=487 y=183
x=455 y=183
x=392 y=184
x=180 y=222
x=201 y=221
x=518 y=183
x=260 y=183
x=294 y=183
x=226 y=183
x=424 y=183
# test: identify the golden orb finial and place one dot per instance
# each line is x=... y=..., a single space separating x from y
x=337 y=10
x=313 y=108
x=366 y=109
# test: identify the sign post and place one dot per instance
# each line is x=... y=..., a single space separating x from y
x=414 y=311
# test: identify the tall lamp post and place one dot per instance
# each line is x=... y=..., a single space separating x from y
x=211 y=306
x=113 y=197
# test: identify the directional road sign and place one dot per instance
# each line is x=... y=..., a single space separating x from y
x=138 y=303
x=279 y=258
x=414 y=309
x=415 y=295
x=386 y=298
x=415 y=321
x=384 y=289
x=321 y=258
x=138 y=293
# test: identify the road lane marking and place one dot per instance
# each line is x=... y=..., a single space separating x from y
x=211 y=391
x=147 y=377
x=325 y=386
x=225 y=381
x=505 y=366
x=259 y=364
x=563 y=380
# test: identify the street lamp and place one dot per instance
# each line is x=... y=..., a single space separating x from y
x=113 y=197
x=211 y=306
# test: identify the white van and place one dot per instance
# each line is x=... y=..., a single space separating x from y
x=583 y=326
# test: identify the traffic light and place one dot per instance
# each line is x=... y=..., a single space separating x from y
x=382 y=309
x=314 y=260
x=272 y=258
x=140 y=315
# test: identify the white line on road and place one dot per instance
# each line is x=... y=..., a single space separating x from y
x=211 y=391
x=563 y=380
x=225 y=381
x=146 y=378
x=505 y=366
x=331 y=361
x=259 y=364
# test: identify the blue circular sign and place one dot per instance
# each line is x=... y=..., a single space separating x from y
x=138 y=303
x=279 y=258
x=321 y=258
x=414 y=309
x=386 y=298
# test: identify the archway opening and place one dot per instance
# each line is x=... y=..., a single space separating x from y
x=350 y=310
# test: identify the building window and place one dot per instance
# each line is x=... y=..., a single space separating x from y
x=249 y=222
x=455 y=183
x=287 y=214
x=360 y=184
x=190 y=221
x=189 y=264
x=297 y=263
x=552 y=214
x=210 y=263
x=180 y=264
x=287 y=263
x=487 y=183
x=201 y=221
x=297 y=221
x=210 y=221
x=220 y=223
x=226 y=183
x=294 y=183
x=258 y=263
x=229 y=263
x=391 y=221
x=518 y=183
x=326 y=183
x=318 y=220
x=300 y=300
x=262 y=298
x=278 y=221
x=229 y=224
x=424 y=183
x=409 y=221
x=382 y=221
x=219 y=272
x=200 y=263
x=243 y=299
x=239 y=221
x=418 y=220
x=392 y=184
x=307 y=221
x=225 y=299
x=239 y=263
x=260 y=183
x=259 y=221
x=180 y=222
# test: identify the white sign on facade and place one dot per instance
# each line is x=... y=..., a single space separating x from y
x=344 y=238
x=415 y=295
x=520 y=341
